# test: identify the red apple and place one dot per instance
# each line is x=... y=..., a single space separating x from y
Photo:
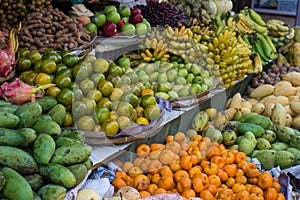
x=135 y=18
x=110 y=29
x=120 y=24
x=135 y=10
x=83 y=19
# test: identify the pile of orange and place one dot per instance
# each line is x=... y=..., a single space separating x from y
x=198 y=168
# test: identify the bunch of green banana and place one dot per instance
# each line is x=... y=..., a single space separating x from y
x=256 y=20
x=241 y=24
x=220 y=22
x=231 y=56
x=263 y=45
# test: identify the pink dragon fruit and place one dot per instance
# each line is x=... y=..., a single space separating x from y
x=18 y=92
x=8 y=49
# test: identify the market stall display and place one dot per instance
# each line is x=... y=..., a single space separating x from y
x=65 y=101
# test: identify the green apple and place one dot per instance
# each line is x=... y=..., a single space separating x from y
x=125 y=19
x=113 y=17
x=128 y=29
x=99 y=19
x=141 y=29
x=147 y=23
x=124 y=11
x=109 y=8
x=91 y=27
x=123 y=62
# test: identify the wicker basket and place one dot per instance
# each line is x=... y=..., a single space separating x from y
x=11 y=75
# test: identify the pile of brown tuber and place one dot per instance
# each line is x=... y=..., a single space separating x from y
x=51 y=28
x=272 y=75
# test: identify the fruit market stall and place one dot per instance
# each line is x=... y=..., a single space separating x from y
x=147 y=100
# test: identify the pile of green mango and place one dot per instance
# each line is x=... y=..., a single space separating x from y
x=38 y=158
x=257 y=136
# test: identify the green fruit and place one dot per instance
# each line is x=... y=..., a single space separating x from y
x=91 y=27
x=99 y=19
x=229 y=137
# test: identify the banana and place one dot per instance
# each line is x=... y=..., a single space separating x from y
x=258 y=28
x=271 y=44
x=283 y=28
x=215 y=42
x=243 y=28
x=148 y=53
x=291 y=33
x=245 y=21
x=145 y=57
x=147 y=43
x=266 y=47
x=272 y=27
x=259 y=49
x=256 y=17
x=170 y=30
x=275 y=21
x=229 y=21
x=211 y=47
x=257 y=63
x=182 y=29
x=155 y=53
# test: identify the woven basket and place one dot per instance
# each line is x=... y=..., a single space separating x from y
x=11 y=75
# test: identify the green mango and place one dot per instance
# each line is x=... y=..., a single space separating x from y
x=18 y=160
x=231 y=125
x=295 y=142
x=8 y=120
x=28 y=114
x=65 y=141
x=266 y=158
x=73 y=134
x=200 y=121
x=263 y=143
x=44 y=117
x=269 y=135
x=235 y=146
x=285 y=134
x=36 y=196
x=79 y=171
x=254 y=152
x=52 y=191
x=58 y=174
x=29 y=134
x=49 y=127
x=296 y=153
x=74 y=154
x=257 y=130
x=58 y=114
x=297 y=133
x=46 y=102
x=88 y=164
x=278 y=146
x=284 y=159
x=229 y=137
x=11 y=137
x=9 y=108
x=214 y=135
x=16 y=187
x=43 y=148
x=247 y=143
x=239 y=138
x=36 y=181
x=2 y=181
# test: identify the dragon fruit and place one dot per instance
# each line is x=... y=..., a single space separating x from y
x=8 y=49
x=18 y=92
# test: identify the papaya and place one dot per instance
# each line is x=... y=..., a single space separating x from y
x=52 y=191
x=65 y=141
x=58 y=174
x=43 y=148
x=46 y=102
x=10 y=137
x=69 y=155
x=36 y=181
x=16 y=187
x=284 y=159
x=263 y=143
x=58 y=114
x=28 y=114
x=79 y=171
x=285 y=134
x=49 y=127
x=296 y=153
x=257 y=130
x=266 y=158
x=257 y=119
x=278 y=146
x=247 y=143
x=29 y=134
x=18 y=160
x=8 y=120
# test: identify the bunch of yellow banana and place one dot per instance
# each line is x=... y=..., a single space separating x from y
x=231 y=55
x=241 y=24
x=152 y=55
x=278 y=28
x=257 y=66
x=256 y=20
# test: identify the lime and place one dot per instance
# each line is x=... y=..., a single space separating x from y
x=124 y=122
x=70 y=60
x=86 y=123
x=79 y=109
x=23 y=64
x=100 y=65
x=147 y=100
x=102 y=114
x=34 y=56
x=94 y=94
x=152 y=112
x=86 y=85
x=69 y=122
x=110 y=127
x=53 y=91
x=91 y=27
x=48 y=66
x=105 y=87
x=105 y=102
x=124 y=108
